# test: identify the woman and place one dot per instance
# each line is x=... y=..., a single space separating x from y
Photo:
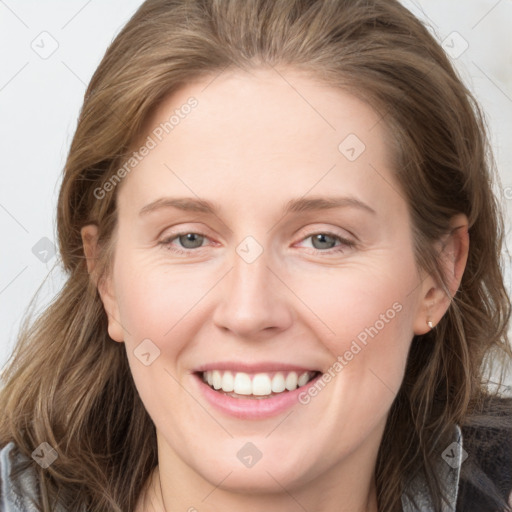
x=207 y=351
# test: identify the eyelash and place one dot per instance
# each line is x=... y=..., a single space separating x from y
x=338 y=249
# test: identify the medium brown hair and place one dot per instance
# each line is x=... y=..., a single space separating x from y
x=70 y=385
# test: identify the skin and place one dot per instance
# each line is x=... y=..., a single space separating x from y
x=252 y=144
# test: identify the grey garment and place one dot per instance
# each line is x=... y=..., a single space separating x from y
x=18 y=494
x=15 y=493
x=449 y=468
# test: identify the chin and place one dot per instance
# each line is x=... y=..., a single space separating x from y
x=260 y=481
x=267 y=475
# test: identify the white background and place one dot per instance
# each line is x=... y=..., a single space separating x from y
x=40 y=99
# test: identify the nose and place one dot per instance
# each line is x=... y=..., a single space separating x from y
x=255 y=301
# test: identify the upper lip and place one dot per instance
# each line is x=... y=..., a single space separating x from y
x=267 y=366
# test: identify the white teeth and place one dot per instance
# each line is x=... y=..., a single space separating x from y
x=242 y=385
x=278 y=383
x=228 y=382
x=217 y=379
x=291 y=381
x=259 y=384
x=303 y=379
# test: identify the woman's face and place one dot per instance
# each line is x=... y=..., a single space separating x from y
x=271 y=287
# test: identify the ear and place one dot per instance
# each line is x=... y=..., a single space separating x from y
x=104 y=285
x=453 y=254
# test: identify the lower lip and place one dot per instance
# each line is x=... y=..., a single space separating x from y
x=252 y=408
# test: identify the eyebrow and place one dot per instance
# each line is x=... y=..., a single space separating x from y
x=316 y=203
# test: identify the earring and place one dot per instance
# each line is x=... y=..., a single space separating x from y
x=430 y=324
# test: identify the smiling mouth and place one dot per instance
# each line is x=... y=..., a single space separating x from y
x=256 y=385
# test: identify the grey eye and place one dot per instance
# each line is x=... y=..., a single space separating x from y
x=195 y=240
x=320 y=239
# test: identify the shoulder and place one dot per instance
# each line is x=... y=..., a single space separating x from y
x=18 y=481
x=486 y=468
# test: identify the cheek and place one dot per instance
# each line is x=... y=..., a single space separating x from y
x=154 y=305
x=154 y=299
x=367 y=315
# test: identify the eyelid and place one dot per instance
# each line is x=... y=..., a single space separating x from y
x=188 y=227
x=317 y=228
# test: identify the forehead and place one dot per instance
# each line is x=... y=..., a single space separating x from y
x=268 y=130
